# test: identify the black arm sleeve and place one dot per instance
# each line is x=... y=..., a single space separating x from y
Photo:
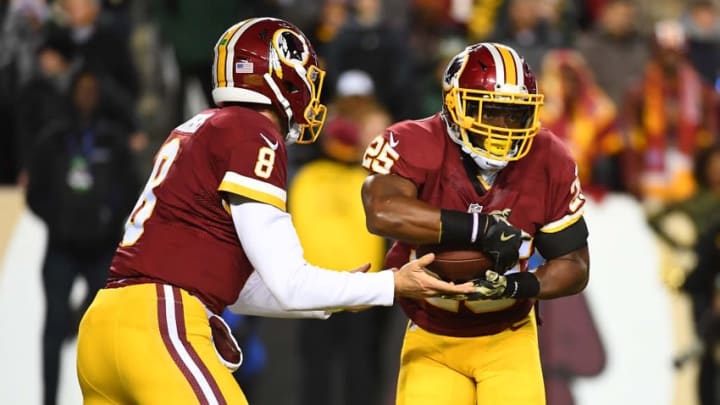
x=556 y=244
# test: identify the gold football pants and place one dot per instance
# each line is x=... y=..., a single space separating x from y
x=486 y=370
x=150 y=344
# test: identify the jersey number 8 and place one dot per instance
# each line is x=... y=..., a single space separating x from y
x=146 y=203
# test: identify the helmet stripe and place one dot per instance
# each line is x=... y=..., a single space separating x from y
x=511 y=76
x=499 y=64
x=518 y=66
x=224 y=54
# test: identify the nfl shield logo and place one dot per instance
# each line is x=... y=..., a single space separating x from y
x=475 y=207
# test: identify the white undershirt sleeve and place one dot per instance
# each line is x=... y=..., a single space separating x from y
x=271 y=244
x=255 y=299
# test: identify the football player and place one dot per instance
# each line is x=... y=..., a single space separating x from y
x=210 y=229
x=484 y=174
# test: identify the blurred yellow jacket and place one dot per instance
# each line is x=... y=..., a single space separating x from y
x=326 y=207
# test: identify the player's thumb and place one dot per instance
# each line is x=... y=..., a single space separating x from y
x=491 y=275
x=362 y=269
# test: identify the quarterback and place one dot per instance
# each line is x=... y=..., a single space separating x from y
x=210 y=230
x=480 y=174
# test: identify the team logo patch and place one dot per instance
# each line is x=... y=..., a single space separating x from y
x=291 y=48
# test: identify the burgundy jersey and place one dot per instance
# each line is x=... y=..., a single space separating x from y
x=541 y=192
x=181 y=231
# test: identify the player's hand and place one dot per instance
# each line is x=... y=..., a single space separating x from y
x=493 y=286
x=414 y=281
x=502 y=241
x=496 y=286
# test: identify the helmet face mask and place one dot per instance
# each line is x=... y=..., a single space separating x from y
x=270 y=61
x=491 y=104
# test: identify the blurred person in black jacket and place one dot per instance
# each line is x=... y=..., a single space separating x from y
x=81 y=184
x=98 y=44
x=703 y=282
x=369 y=41
x=105 y=49
x=704 y=286
x=42 y=99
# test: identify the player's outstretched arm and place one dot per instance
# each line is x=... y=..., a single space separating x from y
x=273 y=248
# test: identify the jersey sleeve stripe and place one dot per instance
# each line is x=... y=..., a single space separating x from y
x=562 y=223
x=254 y=189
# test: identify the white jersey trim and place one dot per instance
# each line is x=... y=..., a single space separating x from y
x=254 y=188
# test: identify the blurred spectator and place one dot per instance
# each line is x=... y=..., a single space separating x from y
x=528 y=31
x=354 y=100
x=679 y=224
x=581 y=353
x=20 y=26
x=324 y=28
x=614 y=49
x=118 y=16
x=355 y=95
x=81 y=185
x=704 y=286
x=449 y=16
x=100 y=48
x=327 y=212
x=686 y=252
x=671 y=114
x=702 y=24
x=564 y=16
x=590 y=11
x=369 y=42
x=580 y=113
x=481 y=18
x=430 y=83
x=430 y=28
x=188 y=26
x=43 y=98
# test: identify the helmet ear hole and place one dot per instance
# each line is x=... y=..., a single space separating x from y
x=290 y=86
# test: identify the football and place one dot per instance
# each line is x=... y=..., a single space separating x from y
x=457 y=266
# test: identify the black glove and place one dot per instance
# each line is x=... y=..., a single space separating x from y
x=501 y=241
x=491 y=233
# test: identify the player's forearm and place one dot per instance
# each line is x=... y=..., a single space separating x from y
x=563 y=276
x=405 y=219
x=256 y=299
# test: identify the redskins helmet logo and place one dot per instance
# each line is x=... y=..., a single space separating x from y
x=288 y=48
x=453 y=69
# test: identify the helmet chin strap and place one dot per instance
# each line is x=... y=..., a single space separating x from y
x=294 y=128
x=483 y=163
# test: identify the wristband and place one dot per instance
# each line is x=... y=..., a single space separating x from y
x=461 y=228
x=522 y=285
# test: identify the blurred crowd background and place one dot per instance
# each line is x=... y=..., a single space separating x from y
x=90 y=88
